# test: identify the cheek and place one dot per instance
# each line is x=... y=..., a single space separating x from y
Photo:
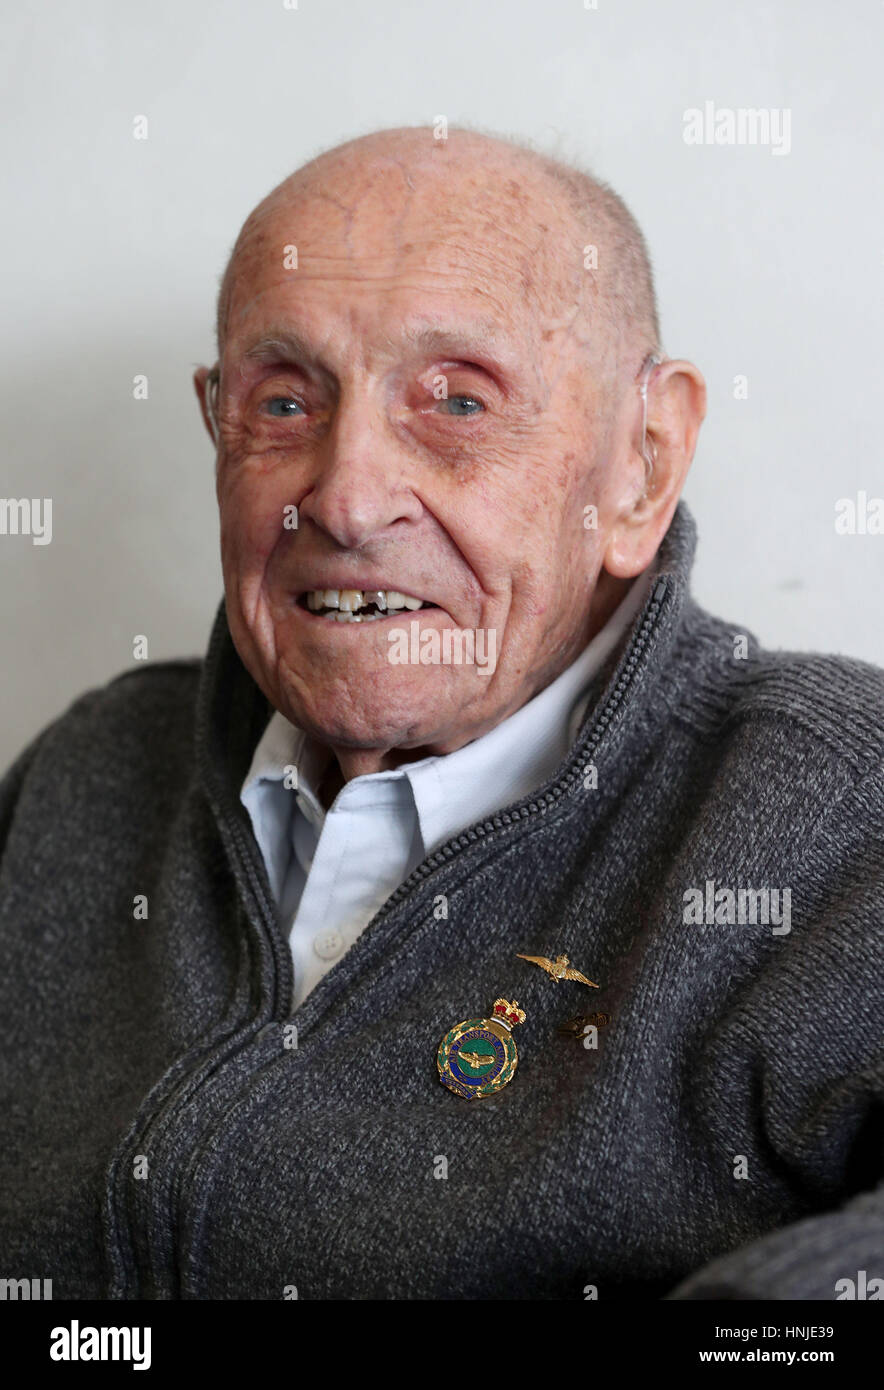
x=253 y=518
x=547 y=513
x=554 y=556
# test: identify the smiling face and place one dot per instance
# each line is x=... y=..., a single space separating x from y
x=419 y=382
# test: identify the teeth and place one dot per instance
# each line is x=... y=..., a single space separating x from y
x=349 y=601
x=353 y=617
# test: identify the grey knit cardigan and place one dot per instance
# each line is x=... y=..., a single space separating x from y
x=170 y=1131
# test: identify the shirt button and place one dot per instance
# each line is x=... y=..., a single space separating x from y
x=328 y=944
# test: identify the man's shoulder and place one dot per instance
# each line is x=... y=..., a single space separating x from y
x=118 y=760
x=145 y=713
x=159 y=695
x=152 y=680
x=834 y=699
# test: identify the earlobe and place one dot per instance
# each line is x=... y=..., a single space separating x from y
x=630 y=543
x=629 y=552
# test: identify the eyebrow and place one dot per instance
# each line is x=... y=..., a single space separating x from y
x=280 y=342
x=480 y=342
x=475 y=340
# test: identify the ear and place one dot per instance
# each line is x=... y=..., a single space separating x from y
x=201 y=386
x=676 y=407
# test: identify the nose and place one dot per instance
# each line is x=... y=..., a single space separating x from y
x=362 y=483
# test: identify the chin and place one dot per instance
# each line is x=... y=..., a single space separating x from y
x=376 y=723
x=363 y=734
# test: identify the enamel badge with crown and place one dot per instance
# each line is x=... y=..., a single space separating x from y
x=478 y=1057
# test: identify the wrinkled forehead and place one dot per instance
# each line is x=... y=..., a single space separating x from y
x=388 y=242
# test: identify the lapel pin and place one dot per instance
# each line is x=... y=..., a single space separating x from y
x=478 y=1057
x=579 y=1026
x=559 y=969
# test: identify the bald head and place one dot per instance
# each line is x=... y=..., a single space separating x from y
x=558 y=209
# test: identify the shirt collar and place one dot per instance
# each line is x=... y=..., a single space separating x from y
x=281 y=748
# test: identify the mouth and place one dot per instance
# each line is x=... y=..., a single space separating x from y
x=359 y=605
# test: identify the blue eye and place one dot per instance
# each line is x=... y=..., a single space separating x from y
x=288 y=407
x=462 y=400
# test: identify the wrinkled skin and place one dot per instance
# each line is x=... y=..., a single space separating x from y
x=475 y=502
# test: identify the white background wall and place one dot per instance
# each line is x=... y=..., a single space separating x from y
x=111 y=248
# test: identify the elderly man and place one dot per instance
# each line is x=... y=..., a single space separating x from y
x=524 y=943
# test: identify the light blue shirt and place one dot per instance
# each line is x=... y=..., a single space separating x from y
x=331 y=870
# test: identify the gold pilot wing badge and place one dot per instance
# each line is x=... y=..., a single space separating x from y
x=559 y=969
x=478 y=1057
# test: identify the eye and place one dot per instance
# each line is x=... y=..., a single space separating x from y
x=282 y=407
x=463 y=405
